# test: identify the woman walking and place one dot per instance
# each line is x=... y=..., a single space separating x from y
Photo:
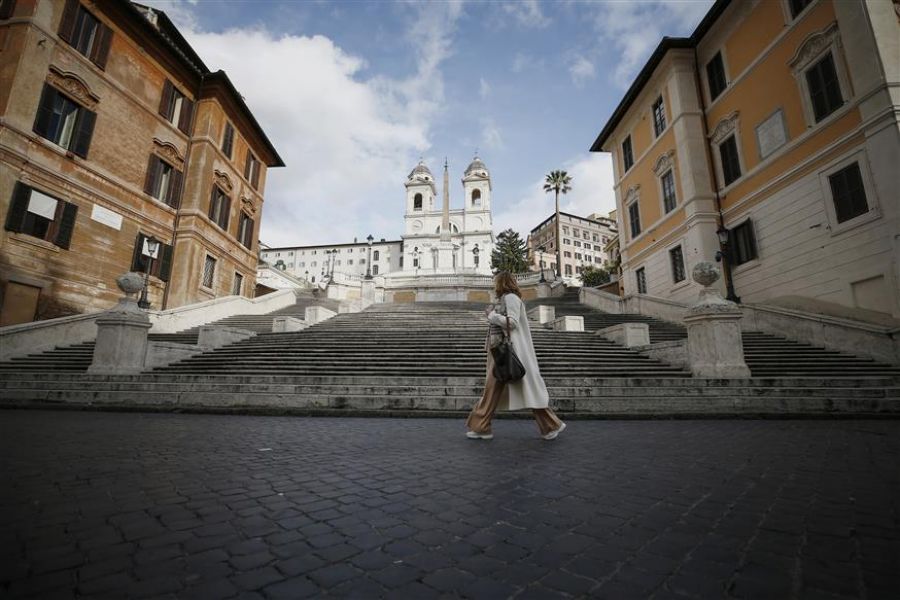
x=528 y=392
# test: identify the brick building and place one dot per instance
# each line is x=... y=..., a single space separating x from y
x=113 y=130
x=584 y=242
x=771 y=136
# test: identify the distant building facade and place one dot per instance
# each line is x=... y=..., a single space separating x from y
x=113 y=130
x=312 y=263
x=789 y=153
x=584 y=242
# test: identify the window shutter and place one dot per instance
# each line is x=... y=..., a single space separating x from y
x=136 y=258
x=226 y=213
x=17 y=207
x=86 y=119
x=45 y=111
x=67 y=24
x=6 y=8
x=247 y=164
x=212 y=202
x=165 y=261
x=228 y=140
x=152 y=173
x=165 y=103
x=66 y=225
x=177 y=186
x=256 y=168
x=184 y=119
x=100 y=51
x=248 y=234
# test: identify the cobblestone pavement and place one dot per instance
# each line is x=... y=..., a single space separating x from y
x=165 y=505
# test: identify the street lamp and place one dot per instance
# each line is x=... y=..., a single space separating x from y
x=475 y=252
x=369 y=262
x=725 y=257
x=150 y=250
x=416 y=259
x=541 y=250
x=333 y=257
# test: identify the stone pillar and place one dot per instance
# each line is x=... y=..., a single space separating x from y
x=568 y=323
x=543 y=290
x=630 y=335
x=367 y=292
x=121 y=345
x=715 y=348
x=542 y=314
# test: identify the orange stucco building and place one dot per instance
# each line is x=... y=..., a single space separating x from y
x=774 y=127
x=113 y=130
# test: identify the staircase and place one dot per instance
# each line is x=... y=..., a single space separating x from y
x=766 y=355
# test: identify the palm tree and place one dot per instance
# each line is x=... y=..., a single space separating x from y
x=558 y=181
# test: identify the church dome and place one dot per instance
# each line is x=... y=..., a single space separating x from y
x=476 y=167
x=420 y=173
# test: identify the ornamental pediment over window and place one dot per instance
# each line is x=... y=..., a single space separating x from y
x=74 y=86
x=247 y=205
x=724 y=128
x=814 y=44
x=632 y=193
x=169 y=152
x=223 y=180
x=665 y=162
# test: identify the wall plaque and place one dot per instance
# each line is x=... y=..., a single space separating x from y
x=771 y=134
x=107 y=217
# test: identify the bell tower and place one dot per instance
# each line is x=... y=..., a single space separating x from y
x=420 y=191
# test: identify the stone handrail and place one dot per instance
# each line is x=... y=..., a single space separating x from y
x=192 y=315
x=38 y=336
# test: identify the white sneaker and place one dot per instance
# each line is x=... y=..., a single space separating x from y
x=472 y=435
x=555 y=433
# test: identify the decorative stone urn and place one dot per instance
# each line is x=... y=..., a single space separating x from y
x=121 y=346
x=715 y=348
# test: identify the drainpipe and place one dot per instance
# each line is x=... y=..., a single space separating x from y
x=187 y=158
x=724 y=252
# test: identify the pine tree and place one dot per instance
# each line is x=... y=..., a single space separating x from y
x=510 y=253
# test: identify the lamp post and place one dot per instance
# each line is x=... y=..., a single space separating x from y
x=150 y=250
x=725 y=257
x=475 y=252
x=541 y=250
x=369 y=261
x=306 y=277
x=333 y=258
x=416 y=259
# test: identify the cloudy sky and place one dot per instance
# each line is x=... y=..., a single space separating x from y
x=353 y=93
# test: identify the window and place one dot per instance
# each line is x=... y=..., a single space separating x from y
x=38 y=215
x=568 y=269
x=228 y=140
x=476 y=197
x=641 y=281
x=7 y=7
x=676 y=259
x=375 y=255
x=164 y=182
x=209 y=271
x=731 y=167
x=245 y=231
x=743 y=243
x=577 y=244
x=238 y=284
x=175 y=107
x=219 y=207
x=417 y=202
x=797 y=6
x=634 y=219
x=81 y=30
x=668 y=189
x=627 y=155
x=715 y=76
x=594 y=237
x=374 y=269
x=578 y=256
x=161 y=266
x=567 y=254
x=659 y=117
x=848 y=193
x=251 y=169
x=565 y=230
x=824 y=88
x=64 y=122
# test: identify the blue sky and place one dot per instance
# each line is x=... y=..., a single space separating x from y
x=353 y=93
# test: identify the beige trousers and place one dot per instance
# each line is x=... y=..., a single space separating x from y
x=479 y=419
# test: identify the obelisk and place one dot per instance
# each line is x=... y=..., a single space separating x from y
x=445 y=245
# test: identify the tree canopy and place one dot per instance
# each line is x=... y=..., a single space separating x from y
x=510 y=253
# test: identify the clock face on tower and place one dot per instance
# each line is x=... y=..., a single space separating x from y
x=417 y=225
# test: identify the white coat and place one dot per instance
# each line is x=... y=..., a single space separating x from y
x=530 y=391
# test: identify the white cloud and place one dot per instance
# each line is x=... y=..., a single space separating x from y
x=592 y=192
x=581 y=69
x=635 y=28
x=523 y=62
x=490 y=134
x=484 y=88
x=347 y=140
x=526 y=13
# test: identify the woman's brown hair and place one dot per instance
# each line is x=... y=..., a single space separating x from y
x=505 y=283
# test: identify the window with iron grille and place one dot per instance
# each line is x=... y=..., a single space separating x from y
x=848 y=193
x=676 y=258
x=659 y=116
x=634 y=219
x=715 y=76
x=668 y=188
x=238 y=284
x=824 y=89
x=627 y=155
x=731 y=166
x=742 y=241
x=641 y=281
x=209 y=271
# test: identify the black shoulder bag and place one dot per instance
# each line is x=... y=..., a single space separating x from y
x=507 y=366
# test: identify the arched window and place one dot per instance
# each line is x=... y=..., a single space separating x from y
x=476 y=197
x=374 y=269
x=375 y=255
x=417 y=202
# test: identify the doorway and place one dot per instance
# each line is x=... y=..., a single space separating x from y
x=20 y=303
